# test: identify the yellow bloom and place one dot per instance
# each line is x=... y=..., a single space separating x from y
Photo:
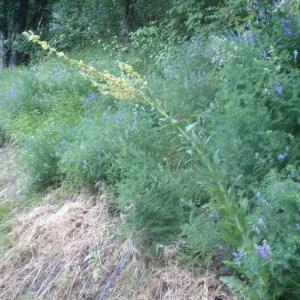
x=130 y=85
x=44 y=45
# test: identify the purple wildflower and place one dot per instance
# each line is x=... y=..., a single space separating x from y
x=239 y=255
x=11 y=92
x=281 y=157
x=249 y=37
x=264 y=250
x=117 y=118
x=284 y=155
x=92 y=97
x=278 y=89
x=265 y=55
x=285 y=27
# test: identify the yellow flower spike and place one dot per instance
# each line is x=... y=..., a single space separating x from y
x=130 y=85
x=60 y=54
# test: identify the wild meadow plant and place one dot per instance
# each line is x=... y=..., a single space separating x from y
x=248 y=215
x=133 y=87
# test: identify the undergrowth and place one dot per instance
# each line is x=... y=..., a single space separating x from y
x=201 y=146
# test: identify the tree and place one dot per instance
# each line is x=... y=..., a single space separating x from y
x=16 y=17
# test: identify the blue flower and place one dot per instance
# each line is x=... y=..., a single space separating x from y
x=284 y=24
x=117 y=118
x=265 y=55
x=259 y=226
x=295 y=54
x=284 y=155
x=264 y=250
x=278 y=89
x=11 y=93
x=63 y=143
x=249 y=37
x=298 y=226
x=239 y=255
x=92 y=97
x=258 y=196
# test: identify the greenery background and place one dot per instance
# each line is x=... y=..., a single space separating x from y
x=226 y=74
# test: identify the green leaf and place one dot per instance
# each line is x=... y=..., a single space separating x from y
x=233 y=283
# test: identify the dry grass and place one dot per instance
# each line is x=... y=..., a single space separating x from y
x=69 y=252
x=56 y=250
x=9 y=188
x=9 y=191
x=72 y=250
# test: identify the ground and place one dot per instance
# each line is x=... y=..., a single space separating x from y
x=68 y=245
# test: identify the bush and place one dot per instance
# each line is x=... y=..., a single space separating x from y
x=156 y=201
x=268 y=262
x=40 y=153
x=99 y=140
x=77 y=23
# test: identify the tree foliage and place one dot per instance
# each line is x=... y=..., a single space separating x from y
x=18 y=16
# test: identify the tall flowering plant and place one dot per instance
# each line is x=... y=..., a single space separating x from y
x=130 y=85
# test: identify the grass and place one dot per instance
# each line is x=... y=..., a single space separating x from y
x=165 y=154
x=69 y=250
x=75 y=240
x=7 y=190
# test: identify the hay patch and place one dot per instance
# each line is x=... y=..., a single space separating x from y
x=55 y=250
x=72 y=251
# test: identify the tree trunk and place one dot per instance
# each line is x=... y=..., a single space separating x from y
x=1 y=51
x=125 y=23
x=39 y=18
x=21 y=16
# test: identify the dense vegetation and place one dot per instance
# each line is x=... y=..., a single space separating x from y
x=204 y=154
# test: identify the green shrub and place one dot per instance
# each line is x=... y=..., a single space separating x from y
x=76 y=23
x=159 y=188
x=89 y=158
x=40 y=153
x=100 y=139
x=268 y=262
x=157 y=201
